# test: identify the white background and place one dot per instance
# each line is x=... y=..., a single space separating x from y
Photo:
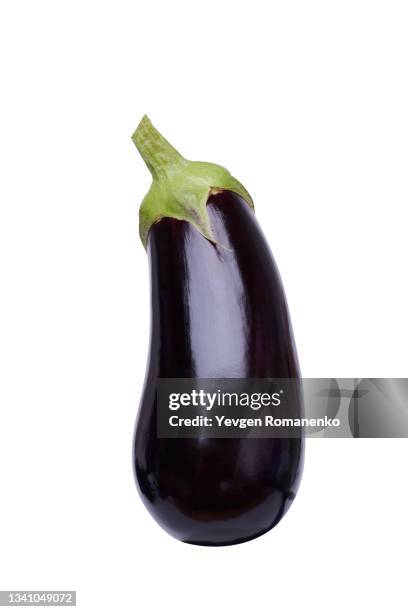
x=306 y=103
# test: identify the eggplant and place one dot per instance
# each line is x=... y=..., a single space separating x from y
x=218 y=310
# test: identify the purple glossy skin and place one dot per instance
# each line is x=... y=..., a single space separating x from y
x=216 y=312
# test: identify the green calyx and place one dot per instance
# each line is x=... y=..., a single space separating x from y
x=180 y=188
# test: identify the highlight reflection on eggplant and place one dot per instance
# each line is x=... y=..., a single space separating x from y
x=218 y=311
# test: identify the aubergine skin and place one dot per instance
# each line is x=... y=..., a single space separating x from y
x=218 y=311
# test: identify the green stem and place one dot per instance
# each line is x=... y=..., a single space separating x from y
x=180 y=188
x=158 y=154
